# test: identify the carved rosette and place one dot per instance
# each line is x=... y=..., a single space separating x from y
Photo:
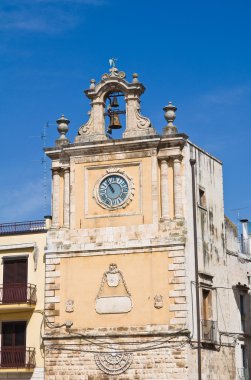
x=131 y=189
x=113 y=363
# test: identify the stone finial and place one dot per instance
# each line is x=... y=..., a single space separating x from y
x=135 y=78
x=62 y=129
x=92 y=85
x=114 y=71
x=170 y=116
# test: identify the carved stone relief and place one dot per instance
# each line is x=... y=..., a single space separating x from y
x=113 y=363
x=158 y=301
x=113 y=296
x=69 y=306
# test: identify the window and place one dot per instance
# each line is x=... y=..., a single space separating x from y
x=15 y=279
x=202 y=198
x=242 y=311
x=13 y=344
x=244 y=362
x=208 y=325
x=206 y=304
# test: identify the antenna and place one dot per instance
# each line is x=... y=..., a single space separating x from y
x=44 y=164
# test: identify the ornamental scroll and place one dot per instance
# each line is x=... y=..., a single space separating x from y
x=113 y=296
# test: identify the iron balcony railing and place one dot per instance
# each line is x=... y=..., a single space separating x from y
x=18 y=293
x=17 y=357
x=22 y=227
x=209 y=330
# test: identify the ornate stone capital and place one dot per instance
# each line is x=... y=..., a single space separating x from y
x=177 y=158
x=55 y=171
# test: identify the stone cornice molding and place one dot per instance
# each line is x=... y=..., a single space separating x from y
x=167 y=147
x=85 y=250
x=9 y=247
x=139 y=331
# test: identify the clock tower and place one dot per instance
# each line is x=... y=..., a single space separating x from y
x=119 y=255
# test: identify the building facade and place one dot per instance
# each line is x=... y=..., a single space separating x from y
x=144 y=275
x=22 y=273
x=139 y=275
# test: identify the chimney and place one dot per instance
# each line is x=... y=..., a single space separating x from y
x=245 y=241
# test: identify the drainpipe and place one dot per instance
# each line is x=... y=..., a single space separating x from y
x=197 y=290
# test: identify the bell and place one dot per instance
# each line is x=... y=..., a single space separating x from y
x=114 y=102
x=114 y=122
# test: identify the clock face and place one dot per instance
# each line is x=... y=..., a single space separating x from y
x=113 y=190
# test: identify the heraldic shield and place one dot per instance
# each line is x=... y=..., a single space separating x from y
x=113 y=296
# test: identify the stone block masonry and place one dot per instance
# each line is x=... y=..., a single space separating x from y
x=69 y=360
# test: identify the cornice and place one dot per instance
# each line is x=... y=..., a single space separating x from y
x=113 y=146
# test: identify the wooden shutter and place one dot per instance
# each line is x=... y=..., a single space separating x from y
x=13 y=344
x=15 y=280
x=15 y=271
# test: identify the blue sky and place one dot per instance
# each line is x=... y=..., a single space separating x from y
x=194 y=53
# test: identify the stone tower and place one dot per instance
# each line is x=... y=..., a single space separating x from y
x=120 y=267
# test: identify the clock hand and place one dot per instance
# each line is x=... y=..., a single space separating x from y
x=111 y=188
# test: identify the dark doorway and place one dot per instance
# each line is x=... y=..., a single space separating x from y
x=13 y=344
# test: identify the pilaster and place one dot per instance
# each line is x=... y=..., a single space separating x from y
x=177 y=184
x=55 y=197
x=164 y=189
x=67 y=197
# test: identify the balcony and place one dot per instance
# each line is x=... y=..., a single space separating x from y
x=209 y=331
x=17 y=296
x=22 y=227
x=15 y=357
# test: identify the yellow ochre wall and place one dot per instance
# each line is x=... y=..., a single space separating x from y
x=91 y=215
x=146 y=275
x=33 y=317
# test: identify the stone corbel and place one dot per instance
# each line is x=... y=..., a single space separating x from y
x=136 y=124
x=94 y=129
x=86 y=128
x=35 y=256
x=142 y=121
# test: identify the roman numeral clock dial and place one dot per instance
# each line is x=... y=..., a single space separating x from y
x=114 y=190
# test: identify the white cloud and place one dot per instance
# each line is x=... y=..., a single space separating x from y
x=226 y=96
x=43 y=15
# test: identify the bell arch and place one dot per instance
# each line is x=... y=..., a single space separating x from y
x=136 y=124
